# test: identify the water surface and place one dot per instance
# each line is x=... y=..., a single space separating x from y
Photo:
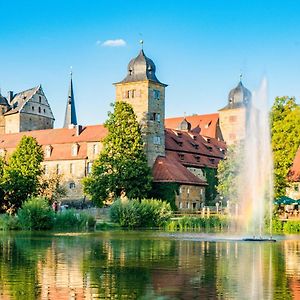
x=146 y=265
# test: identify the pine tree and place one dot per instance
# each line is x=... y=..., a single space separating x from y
x=122 y=164
x=20 y=178
x=285 y=127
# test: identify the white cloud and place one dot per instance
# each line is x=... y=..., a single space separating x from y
x=114 y=43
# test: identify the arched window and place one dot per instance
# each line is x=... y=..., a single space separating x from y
x=72 y=185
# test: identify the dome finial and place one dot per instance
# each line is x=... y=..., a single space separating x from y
x=241 y=76
x=142 y=44
x=71 y=71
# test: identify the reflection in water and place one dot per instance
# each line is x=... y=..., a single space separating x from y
x=146 y=265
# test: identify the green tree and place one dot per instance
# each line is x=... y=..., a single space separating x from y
x=285 y=127
x=20 y=178
x=228 y=171
x=122 y=164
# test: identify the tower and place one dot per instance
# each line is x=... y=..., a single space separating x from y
x=70 y=115
x=233 y=115
x=146 y=94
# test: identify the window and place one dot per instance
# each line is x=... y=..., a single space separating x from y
x=155 y=117
x=232 y=118
x=197 y=157
x=72 y=185
x=40 y=110
x=296 y=188
x=48 y=151
x=72 y=168
x=46 y=170
x=89 y=167
x=95 y=149
x=44 y=110
x=32 y=108
x=181 y=156
x=156 y=94
x=40 y=99
x=58 y=169
x=156 y=140
x=75 y=148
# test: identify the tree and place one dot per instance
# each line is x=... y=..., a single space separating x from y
x=20 y=178
x=122 y=164
x=285 y=128
x=228 y=173
x=50 y=187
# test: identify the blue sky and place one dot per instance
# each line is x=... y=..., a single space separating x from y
x=199 y=48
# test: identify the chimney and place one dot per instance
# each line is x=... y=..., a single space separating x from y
x=10 y=96
x=78 y=129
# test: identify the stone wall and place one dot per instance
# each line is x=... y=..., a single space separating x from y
x=233 y=124
x=190 y=197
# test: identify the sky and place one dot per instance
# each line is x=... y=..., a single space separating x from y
x=199 y=48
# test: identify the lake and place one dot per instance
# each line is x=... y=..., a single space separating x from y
x=146 y=265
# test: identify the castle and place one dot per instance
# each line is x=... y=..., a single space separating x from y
x=179 y=150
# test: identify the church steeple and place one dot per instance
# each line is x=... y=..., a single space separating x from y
x=70 y=115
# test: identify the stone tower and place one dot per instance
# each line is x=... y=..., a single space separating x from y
x=146 y=94
x=70 y=115
x=233 y=116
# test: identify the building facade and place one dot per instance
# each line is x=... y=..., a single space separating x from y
x=179 y=150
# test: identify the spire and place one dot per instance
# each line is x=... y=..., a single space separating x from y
x=70 y=115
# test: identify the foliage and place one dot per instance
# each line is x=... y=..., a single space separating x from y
x=285 y=127
x=211 y=189
x=122 y=165
x=228 y=171
x=50 y=187
x=9 y=222
x=144 y=213
x=165 y=191
x=20 y=178
x=197 y=224
x=72 y=219
x=36 y=214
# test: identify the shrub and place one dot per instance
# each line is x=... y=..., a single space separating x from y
x=71 y=219
x=36 y=214
x=197 y=223
x=147 y=213
x=9 y=222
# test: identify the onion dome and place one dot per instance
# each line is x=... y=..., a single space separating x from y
x=239 y=96
x=185 y=125
x=141 y=68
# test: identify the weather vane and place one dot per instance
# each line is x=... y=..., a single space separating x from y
x=241 y=76
x=71 y=71
x=142 y=43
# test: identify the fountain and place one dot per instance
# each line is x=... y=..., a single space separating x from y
x=255 y=180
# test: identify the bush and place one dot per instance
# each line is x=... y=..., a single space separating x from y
x=197 y=223
x=36 y=214
x=147 y=213
x=71 y=219
x=9 y=222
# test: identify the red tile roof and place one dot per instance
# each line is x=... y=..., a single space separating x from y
x=60 y=139
x=194 y=150
x=294 y=173
x=56 y=136
x=207 y=124
x=167 y=169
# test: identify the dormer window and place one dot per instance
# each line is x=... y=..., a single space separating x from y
x=181 y=156
x=75 y=148
x=48 y=151
x=197 y=157
x=212 y=160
